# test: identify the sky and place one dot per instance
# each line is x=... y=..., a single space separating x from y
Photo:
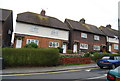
x=95 y=12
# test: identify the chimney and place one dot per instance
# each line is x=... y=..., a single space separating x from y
x=109 y=26
x=42 y=13
x=82 y=20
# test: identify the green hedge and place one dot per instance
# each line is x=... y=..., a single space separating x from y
x=30 y=56
x=96 y=56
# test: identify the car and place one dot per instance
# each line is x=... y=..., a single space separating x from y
x=114 y=74
x=109 y=61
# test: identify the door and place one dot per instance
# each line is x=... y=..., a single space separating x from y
x=64 y=47
x=110 y=48
x=75 y=48
x=18 y=43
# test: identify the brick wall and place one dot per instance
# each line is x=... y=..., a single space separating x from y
x=43 y=41
x=114 y=50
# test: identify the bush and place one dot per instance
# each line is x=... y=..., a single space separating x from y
x=31 y=45
x=60 y=49
x=100 y=55
x=87 y=55
x=69 y=51
x=30 y=56
x=70 y=55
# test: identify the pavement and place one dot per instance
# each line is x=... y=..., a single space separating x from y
x=21 y=70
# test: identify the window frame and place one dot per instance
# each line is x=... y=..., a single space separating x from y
x=96 y=36
x=83 y=35
x=54 y=44
x=96 y=49
x=32 y=40
x=84 y=46
x=115 y=47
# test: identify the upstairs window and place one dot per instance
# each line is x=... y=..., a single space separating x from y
x=32 y=40
x=54 y=32
x=96 y=37
x=116 y=46
x=96 y=47
x=83 y=46
x=34 y=29
x=83 y=35
x=53 y=44
x=9 y=31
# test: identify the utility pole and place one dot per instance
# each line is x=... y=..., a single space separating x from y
x=119 y=24
x=119 y=33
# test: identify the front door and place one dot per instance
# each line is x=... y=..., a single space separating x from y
x=110 y=48
x=64 y=47
x=18 y=43
x=75 y=48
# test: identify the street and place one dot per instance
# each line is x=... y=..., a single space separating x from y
x=89 y=74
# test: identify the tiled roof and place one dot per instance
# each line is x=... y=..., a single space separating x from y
x=109 y=31
x=84 y=27
x=37 y=19
x=4 y=13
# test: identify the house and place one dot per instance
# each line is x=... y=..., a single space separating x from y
x=112 y=38
x=6 y=27
x=45 y=31
x=85 y=37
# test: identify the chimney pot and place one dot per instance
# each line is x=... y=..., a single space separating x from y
x=42 y=13
x=82 y=20
x=109 y=26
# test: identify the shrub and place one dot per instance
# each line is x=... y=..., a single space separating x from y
x=87 y=55
x=100 y=55
x=31 y=45
x=60 y=49
x=30 y=56
x=70 y=55
x=69 y=51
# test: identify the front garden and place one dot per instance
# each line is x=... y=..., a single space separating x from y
x=46 y=57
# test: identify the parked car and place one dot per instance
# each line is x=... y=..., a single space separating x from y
x=114 y=74
x=109 y=61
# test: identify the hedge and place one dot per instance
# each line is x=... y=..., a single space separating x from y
x=96 y=56
x=30 y=56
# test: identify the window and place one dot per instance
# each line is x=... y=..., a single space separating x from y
x=96 y=47
x=32 y=40
x=96 y=37
x=54 y=32
x=53 y=44
x=115 y=46
x=117 y=58
x=83 y=35
x=9 y=31
x=84 y=46
x=106 y=57
x=34 y=29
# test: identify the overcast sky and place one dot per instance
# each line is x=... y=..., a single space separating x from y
x=96 y=12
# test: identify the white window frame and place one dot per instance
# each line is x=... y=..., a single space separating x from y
x=94 y=47
x=115 y=46
x=54 y=44
x=34 y=29
x=32 y=40
x=83 y=35
x=54 y=32
x=83 y=46
x=96 y=37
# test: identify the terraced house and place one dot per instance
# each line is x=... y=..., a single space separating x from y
x=112 y=39
x=85 y=37
x=45 y=31
x=6 y=27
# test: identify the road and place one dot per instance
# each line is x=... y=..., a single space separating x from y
x=90 y=74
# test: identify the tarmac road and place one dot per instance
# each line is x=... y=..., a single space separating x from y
x=92 y=74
